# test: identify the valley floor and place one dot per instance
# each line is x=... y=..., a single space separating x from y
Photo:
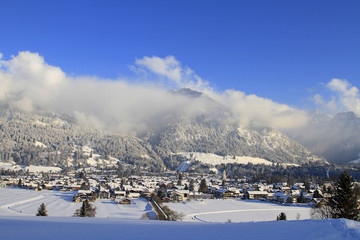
x=21 y=202
x=249 y=220
x=212 y=210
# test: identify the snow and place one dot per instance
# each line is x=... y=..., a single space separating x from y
x=31 y=168
x=114 y=221
x=37 y=122
x=37 y=169
x=96 y=158
x=22 y=202
x=40 y=144
x=7 y=166
x=39 y=228
x=213 y=159
x=213 y=210
x=356 y=161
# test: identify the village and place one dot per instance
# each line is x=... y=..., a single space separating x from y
x=170 y=187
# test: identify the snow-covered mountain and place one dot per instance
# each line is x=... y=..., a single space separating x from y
x=55 y=139
x=213 y=130
x=335 y=138
x=228 y=139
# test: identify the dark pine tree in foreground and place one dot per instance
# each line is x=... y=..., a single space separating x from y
x=344 y=203
x=42 y=210
x=86 y=210
x=282 y=216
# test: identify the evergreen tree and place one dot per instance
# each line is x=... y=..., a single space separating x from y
x=86 y=210
x=179 y=183
x=301 y=198
x=191 y=185
x=19 y=183
x=281 y=217
x=203 y=186
x=161 y=194
x=42 y=210
x=317 y=194
x=344 y=204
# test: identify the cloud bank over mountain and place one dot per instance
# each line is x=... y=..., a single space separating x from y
x=28 y=83
x=345 y=97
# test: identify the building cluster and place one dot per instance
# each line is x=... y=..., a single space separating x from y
x=169 y=187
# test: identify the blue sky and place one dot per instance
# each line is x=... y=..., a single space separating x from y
x=286 y=51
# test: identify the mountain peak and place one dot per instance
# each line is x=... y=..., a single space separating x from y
x=187 y=92
x=318 y=116
x=345 y=116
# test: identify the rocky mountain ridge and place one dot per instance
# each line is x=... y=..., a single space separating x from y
x=57 y=140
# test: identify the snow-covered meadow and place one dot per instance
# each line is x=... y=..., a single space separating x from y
x=213 y=210
x=21 y=202
x=56 y=228
x=214 y=159
x=249 y=220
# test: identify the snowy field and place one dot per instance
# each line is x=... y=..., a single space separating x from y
x=213 y=159
x=21 y=202
x=31 y=168
x=56 y=228
x=18 y=208
x=212 y=210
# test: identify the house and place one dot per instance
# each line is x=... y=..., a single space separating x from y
x=287 y=199
x=125 y=201
x=133 y=195
x=104 y=194
x=85 y=194
x=223 y=193
x=256 y=195
x=179 y=195
x=119 y=194
x=76 y=199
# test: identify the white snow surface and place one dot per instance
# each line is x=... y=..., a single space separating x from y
x=31 y=168
x=40 y=144
x=222 y=210
x=39 y=228
x=21 y=202
x=37 y=169
x=112 y=221
x=213 y=159
x=96 y=158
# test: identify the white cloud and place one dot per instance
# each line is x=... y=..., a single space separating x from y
x=320 y=102
x=167 y=66
x=171 y=68
x=29 y=83
x=346 y=97
x=257 y=111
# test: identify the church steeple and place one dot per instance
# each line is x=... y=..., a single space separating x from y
x=224 y=175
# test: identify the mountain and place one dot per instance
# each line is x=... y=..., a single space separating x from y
x=228 y=139
x=55 y=139
x=213 y=130
x=335 y=138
